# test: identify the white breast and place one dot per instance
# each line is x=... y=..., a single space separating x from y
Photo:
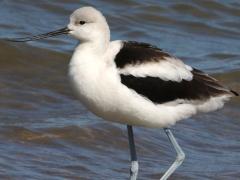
x=93 y=77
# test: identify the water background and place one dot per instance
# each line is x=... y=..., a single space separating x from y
x=45 y=133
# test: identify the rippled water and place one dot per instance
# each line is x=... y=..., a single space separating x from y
x=45 y=133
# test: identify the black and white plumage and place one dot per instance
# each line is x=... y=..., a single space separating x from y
x=200 y=87
x=139 y=84
x=131 y=82
x=135 y=83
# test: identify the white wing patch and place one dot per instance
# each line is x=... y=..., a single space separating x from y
x=168 y=69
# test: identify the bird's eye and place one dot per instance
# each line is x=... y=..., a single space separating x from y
x=82 y=22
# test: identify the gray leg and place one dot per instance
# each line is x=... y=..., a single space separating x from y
x=180 y=155
x=134 y=162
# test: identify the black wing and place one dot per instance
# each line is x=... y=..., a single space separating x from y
x=200 y=87
x=136 y=53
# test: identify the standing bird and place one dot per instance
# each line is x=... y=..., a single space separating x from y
x=135 y=83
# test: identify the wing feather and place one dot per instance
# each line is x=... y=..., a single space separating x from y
x=161 y=77
x=142 y=60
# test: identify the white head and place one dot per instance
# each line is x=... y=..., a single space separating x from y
x=86 y=24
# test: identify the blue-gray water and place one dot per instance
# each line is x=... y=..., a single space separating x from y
x=45 y=133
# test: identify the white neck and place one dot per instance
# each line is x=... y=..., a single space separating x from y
x=99 y=42
x=98 y=46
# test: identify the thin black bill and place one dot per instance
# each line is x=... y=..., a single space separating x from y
x=41 y=36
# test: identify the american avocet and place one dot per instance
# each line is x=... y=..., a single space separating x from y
x=135 y=83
